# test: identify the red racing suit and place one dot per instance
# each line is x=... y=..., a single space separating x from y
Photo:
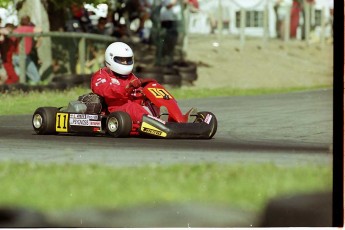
x=114 y=90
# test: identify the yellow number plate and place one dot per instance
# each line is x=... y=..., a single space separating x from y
x=160 y=93
x=61 y=122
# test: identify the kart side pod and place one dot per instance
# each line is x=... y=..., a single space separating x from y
x=154 y=127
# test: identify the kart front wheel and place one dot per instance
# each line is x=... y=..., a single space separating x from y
x=119 y=124
x=44 y=120
x=210 y=119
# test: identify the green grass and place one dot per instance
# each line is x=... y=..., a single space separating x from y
x=64 y=187
x=26 y=103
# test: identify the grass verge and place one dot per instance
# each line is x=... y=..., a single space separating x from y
x=26 y=103
x=57 y=187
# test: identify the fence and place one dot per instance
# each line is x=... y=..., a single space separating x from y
x=75 y=50
x=80 y=45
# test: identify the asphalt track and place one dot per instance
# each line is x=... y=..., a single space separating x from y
x=286 y=129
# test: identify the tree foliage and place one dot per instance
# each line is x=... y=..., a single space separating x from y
x=57 y=3
x=5 y=3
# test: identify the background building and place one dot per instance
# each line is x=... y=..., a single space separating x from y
x=228 y=11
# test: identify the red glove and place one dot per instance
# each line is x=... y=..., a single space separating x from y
x=134 y=84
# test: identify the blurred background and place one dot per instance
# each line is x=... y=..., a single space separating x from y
x=70 y=37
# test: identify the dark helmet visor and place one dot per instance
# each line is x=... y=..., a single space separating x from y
x=124 y=60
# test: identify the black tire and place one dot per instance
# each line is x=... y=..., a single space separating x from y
x=188 y=79
x=44 y=120
x=69 y=79
x=86 y=80
x=188 y=76
x=36 y=88
x=56 y=86
x=146 y=75
x=202 y=116
x=185 y=67
x=3 y=88
x=170 y=71
x=18 y=87
x=148 y=69
x=173 y=80
x=119 y=124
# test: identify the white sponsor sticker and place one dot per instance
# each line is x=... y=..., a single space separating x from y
x=208 y=118
x=100 y=81
x=95 y=123
x=115 y=81
x=92 y=117
x=79 y=122
x=157 y=119
x=78 y=116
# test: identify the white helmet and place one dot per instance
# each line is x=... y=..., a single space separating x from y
x=119 y=58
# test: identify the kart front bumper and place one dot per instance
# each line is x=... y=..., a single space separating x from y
x=153 y=127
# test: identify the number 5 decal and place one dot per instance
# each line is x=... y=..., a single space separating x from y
x=61 y=122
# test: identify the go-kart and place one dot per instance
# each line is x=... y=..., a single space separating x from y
x=89 y=115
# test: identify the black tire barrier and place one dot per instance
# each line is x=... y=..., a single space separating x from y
x=188 y=72
x=147 y=59
x=36 y=88
x=188 y=76
x=185 y=67
x=170 y=71
x=70 y=79
x=147 y=75
x=188 y=79
x=150 y=69
x=172 y=80
x=57 y=86
x=86 y=80
x=182 y=73
x=150 y=72
x=3 y=88
x=14 y=87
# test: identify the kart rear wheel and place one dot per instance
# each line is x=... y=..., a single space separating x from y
x=44 y=120
x=119 y=124
x=210 y=119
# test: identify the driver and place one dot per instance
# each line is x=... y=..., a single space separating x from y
x=116 y=82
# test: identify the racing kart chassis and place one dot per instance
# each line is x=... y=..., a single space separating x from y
x=164 y=121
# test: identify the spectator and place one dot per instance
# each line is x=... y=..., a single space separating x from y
x=8 y=46
x=170 y=16
x=294 y=17
x=31 y=69
x=311 y=3
x=138 y=9
x=193 y=5
x=280 y=8
x=80 y=14
x=144 y=29
x=331 y=12
x=3 y=75
x=103 y=27
x=145 y=13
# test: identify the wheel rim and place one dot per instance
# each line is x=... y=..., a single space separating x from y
x=113 y=124
x=37 y=121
